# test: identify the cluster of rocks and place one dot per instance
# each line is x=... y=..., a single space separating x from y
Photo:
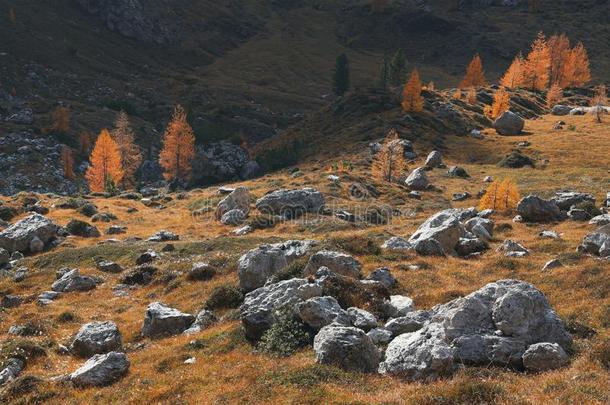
x=30 y=163
x=508 y=323
x=459 y=232
x=564 y=205
x=234 y=208
x=30 y=235
x=561 y=110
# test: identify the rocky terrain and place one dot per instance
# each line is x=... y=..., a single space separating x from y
x=323 y=286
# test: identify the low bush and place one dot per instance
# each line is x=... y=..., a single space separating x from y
x=224 y=296
x=285 y=337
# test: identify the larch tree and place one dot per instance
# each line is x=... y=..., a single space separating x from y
x=131 y=156
x=514 y=74
x=457 y=95
x=389 y=163
x=559 y=51
x=471 y=96
x=475 y=75
x=105 y=171
x=576 y=70
x=67 y=160
x=599 y=102
x=501 y=103
x=60 y=121
x=537 y=65
x=501 y=196
x=341 y=80
x=554 y=95
x=178 y=151
x=412 y=100
x=84 y=143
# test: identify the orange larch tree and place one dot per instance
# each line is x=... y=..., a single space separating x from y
x=559 y=51
x=537 y=65
x=514 y=74
x=131 y=156
x=178 y=150
x=554 y=95
x=60 y=121
x=501 y=196
x=475 y=75
x=576 y=69
x=389 y=163
x=105 y=171
x=412 y=99
x=501 y=103
x=471 y=96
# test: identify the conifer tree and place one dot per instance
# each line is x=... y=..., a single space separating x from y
x=537 y=65
x=514 y=74
x=131 y=156
x=576 y=69
x=67 y=160
x=501 y=103
x=105 y=171
x=412 y=100
x=389 y=163
x=554 y=95
x=341 y=75
x=84 y=143
x=60 y=121
x=178 y=151
x=384 y=74
x=398 y=68
x=559 y=51
x=471 y=96
x=501 y=196
x=475 y=75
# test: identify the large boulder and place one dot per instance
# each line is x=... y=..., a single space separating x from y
x=509 y=123
x=336 y=262
x=83 y=229
x=597 y=242
x=17 y=237
x=291 y=203
x=256 y=266
x=417 y=179
x=161 y=320
x=346 y=347
x=443 y=227
x=260 y=307
x=318 y=312
x=96 y=338
x=493 y=325
x=534 y=209
x=71 y=280
x=434 y=160
x=237 y=199
x=101 y=370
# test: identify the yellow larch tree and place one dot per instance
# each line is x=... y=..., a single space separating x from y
x=389 y=163
x=576 y=69
x=500 y=104
x=554 y=95
x=559 y=52
x=537 y=65
x=514 y=74
x=178 y=151
x=471 y=96
x=475 y=75
x=501 y=196
x=105 y=171
x=131 y=156
x=412 y=100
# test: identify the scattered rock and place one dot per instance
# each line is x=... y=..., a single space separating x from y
x=418 y=180
x=318 y=312
x=434 y=160
x=443 y=227
x=545 y=356
x=339 y=263
x=83 y=229
x=535 y=209
x=147 y=257
x=346 y=347
x=509 y=123
x=18 y=236
x=71 y=280
x=12 y=369
x=561 y=110
x=597 y=242
x=291 y=203
x=457 y=171
x=101 y=370
x=238 y=199
x=552 y=264
x=96 y=338
x=396 y=243
x=164 y=236
x=233 y=217
x=161 y=320
x=513 y=249
x=516 y=160
x=362 y=319
x=108 y=267
x=383 y=276
x=203 y=320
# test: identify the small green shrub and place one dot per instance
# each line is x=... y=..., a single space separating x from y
x=66 y=317
x=263 y=222
x=293 y=270
x=201 y=273
x=285 y=337
x=357 y=245
x=224 y=296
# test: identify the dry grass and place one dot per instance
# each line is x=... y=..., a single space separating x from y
x=228 y=370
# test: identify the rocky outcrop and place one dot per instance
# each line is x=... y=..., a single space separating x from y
x=101 y=370
x=238 y=199
x=291 y=203
x=337 y=262
x=535 y=209
x=222 y=161
x=346 y=347
x=256 y=266
x=318 y=312
x=18 y=237
x=494 y=325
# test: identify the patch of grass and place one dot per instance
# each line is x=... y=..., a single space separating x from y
x=357 y=245
x=463 y=391
x=506 y=263
x=285 y=337
x=310 y=376
x=66 y=317
x=224 y=296
x=22 y=349
x=600 y=352
x=293 y=270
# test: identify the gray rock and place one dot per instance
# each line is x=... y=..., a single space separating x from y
x=396 y=243
x=417 y=179
x=408 y=323
x=258 y=311
x=535 y=209
x=96 y=338
x=250 y=170
x=101 y=370
x=470 y=246
x=494 y=325
x=5 y=257
x=566 y=199
x=561 y=110
x=362 y=319
x=380 y=336
x=71 y=280
x=116 y=230
x=21 y=117
x=318 y=312
x=597 y=242
x=147 y=257
x=36 y=245
x=461 y=196
x=481 y=227
x=544 y=356
x=18 y=236
x=513 y=249
x=457 y=171
x=20 y=274
x=12 y=369
x=346 y=347
x=108 y=267
x=398 y=306
x=164 y=236
x=444 y=227
x=291 y=203
x=256 y=266
x=233 y=217
x=204 y=320
x=161 y=320
x=576 y=214
x=600 y=220
x=509 y=123
x=434 y=160
x=548 y=234
x=11 y=301
x=337 y=262
x=384 y=276
x=238 y=199
x=552 y=264
x=83 y=229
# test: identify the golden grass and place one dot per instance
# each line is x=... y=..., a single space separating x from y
x=229 y=370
